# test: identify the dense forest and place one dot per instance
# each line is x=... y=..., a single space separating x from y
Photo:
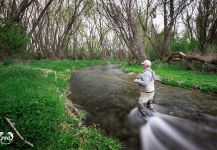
x=109 y=29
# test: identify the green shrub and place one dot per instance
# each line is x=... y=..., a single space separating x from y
x=8 y=62
x=184 y=44
x=12 y=39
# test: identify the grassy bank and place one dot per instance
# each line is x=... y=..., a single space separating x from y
x=33 y=96
x=176 y=75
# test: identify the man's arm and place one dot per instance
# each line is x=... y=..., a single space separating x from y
x=156 y=77
x=145 y=79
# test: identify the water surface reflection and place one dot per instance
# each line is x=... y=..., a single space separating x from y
x=108 y=96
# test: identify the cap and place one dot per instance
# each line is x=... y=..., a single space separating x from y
x=147 y=63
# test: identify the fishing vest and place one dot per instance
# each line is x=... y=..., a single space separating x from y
x=149 y=88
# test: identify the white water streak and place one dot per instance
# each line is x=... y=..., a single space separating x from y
x=148 y=137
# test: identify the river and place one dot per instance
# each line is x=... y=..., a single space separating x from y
x=185 y=119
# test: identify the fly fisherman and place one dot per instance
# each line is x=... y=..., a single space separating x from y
x=147 y=80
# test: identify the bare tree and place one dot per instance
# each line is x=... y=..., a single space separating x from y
x=102 y=30
x=123 y=22
x=171 y=10
x=109 y=28
x=188 y=19
x=78 y=9
x=40 y=16
x=146 y=13
x=19 y=12
x=206 y=22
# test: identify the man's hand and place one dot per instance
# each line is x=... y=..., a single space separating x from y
x=136 y=80
x=158 y=78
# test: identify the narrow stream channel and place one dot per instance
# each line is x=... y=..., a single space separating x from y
x=184 y=117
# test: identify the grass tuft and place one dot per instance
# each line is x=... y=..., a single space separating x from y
x=33 y=101
x=176 y=75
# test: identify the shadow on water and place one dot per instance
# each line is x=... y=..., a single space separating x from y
x=108 y=96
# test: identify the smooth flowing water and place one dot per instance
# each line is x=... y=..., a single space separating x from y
x=185 y=119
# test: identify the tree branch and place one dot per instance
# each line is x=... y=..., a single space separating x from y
x=18 y=134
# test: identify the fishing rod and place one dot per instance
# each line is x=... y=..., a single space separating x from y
x=112 y=77
x=122 y=79
x=118 y=78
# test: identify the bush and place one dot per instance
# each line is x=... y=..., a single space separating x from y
x=12 y=39
x=8 y=62
x=184 y=44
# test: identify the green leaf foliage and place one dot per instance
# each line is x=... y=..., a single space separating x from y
x=12 y=39
x=184 y=44
x=34 y=102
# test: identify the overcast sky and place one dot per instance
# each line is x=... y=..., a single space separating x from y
x=159 y=23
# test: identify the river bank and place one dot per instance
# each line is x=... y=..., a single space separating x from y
x=177 y=75
x=108 y=95
x=34 y=95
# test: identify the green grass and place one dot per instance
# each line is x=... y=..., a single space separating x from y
x=176 y=75
x=35 y=102
x=66 y=66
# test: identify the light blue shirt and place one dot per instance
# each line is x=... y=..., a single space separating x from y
x=147 y=76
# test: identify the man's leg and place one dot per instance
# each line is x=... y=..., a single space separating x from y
x=150 y=105
x=150 y=101
x=141 y=107
x=142 y=103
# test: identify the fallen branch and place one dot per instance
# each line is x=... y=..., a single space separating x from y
x=181 y=55
x=208 y=64
x=18 y=134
